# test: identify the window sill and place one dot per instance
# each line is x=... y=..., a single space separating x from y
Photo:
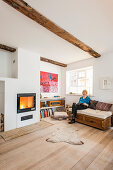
x=74 y=94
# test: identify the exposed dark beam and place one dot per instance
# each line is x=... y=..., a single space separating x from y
x=7 y=48
x=27 y=10
x=53 y=62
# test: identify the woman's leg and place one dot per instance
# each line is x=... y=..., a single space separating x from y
x=76 y=107
x=74 y=110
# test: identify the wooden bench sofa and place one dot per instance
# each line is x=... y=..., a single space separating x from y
x=94 y=118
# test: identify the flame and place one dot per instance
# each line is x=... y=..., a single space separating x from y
x=21 y=106
x=26 y=102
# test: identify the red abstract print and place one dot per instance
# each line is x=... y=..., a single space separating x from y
x=48 y=82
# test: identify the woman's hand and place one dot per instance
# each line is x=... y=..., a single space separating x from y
x=86 y=104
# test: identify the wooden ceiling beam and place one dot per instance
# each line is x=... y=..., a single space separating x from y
x=7 y=48
x=52 y=62
x=27 y=10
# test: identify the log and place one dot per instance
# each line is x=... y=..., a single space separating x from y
x=31 y=13
x=7 y=48
x=52 y=62
x=2 y=127
x=1 y=122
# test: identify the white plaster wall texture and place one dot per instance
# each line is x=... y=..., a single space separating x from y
x=102 y=67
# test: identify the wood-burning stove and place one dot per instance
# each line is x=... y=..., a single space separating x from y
x=26 y=102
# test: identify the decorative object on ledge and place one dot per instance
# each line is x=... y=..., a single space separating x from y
x=30 y=12
x=55 y=103
x=7 y=48
x=52 y=62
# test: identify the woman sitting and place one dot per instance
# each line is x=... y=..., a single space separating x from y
x=81 y=105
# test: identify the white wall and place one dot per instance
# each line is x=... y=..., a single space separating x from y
x=28 y=82
x=14 y=65
x=8 y=68
x=102 y=68
x=47 y=67
x=2 y=86
x=27 y=68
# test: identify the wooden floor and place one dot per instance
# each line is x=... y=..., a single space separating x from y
x=32 y=152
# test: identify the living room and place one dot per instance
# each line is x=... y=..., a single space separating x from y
x=49 y=53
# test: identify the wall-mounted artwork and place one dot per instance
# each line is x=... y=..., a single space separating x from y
x=106 y=83
x=48 y=82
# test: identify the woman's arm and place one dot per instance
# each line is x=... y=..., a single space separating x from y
x=86 y=104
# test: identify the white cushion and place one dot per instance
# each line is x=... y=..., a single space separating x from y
x=60 y=114
x=95 y=113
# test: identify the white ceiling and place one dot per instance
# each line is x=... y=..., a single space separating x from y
x=91 y=21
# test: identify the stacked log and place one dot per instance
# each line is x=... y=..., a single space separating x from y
x=1 y=122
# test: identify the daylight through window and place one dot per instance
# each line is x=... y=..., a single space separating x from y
x=80 y=79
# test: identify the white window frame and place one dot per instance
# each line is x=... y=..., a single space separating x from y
x=68 y=81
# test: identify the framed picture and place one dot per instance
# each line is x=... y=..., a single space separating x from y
x=106 y=83
x=48 y=82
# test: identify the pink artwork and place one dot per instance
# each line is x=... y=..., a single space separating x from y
x=48 y=82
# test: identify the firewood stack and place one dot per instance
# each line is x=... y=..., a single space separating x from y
x=1 y=122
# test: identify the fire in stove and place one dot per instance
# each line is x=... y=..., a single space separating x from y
x=26 y=102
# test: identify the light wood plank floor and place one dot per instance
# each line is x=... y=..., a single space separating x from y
x=32 y=152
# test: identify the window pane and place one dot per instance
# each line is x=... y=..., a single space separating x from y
x=78 y=80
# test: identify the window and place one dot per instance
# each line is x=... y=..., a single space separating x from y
x=80 y=79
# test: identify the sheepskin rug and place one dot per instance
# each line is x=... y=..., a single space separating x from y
x=66 y=134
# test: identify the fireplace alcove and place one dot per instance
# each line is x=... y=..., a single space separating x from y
x=26 y=102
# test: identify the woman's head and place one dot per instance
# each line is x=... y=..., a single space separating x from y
x=84 y=92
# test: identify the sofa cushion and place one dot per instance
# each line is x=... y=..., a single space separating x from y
x=93 y=104
x=95 y=113
x=103 y=106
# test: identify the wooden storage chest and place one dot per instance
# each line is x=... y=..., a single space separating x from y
x=99 y=123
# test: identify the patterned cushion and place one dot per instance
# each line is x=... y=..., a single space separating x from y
x=103 y=106
x=93 y=104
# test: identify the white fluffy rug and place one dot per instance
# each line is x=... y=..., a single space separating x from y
x=66 y=134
